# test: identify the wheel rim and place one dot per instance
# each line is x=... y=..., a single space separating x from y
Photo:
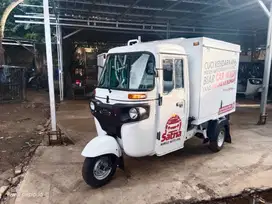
x=102 y=168
x=221 y=138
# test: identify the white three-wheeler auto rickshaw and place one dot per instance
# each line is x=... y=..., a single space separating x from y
x=152 y=97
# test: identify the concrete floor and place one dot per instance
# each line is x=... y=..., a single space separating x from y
x=193 y=173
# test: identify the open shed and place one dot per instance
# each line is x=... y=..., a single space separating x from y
x=238 y=21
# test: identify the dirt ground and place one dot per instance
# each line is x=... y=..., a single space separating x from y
x=20 y=125
x=186 y=176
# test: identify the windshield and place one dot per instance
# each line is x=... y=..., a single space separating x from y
x=131 y=71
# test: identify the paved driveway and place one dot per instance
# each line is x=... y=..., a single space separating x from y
x=193 y=173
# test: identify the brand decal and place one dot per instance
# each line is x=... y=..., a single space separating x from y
x=227 y=108
x=220 y=73
x=172 y=130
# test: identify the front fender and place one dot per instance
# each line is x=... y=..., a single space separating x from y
x=102 y=145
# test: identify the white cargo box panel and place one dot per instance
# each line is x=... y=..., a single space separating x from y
x=213 y=72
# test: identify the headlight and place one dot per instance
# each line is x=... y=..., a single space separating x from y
x=142 y=111
x=133 y=113
x=92 y=106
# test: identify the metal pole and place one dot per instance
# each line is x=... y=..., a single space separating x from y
x=253 y=46
x=167 y=32
x=266 y=11
x=24 y=84
x=58 y=53
x=59 y=59
x=72 y=33
x=47 y=32
x=61 y=64
x=266 y=76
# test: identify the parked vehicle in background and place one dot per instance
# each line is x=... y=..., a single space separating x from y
x=250 y=78
x=252 y=88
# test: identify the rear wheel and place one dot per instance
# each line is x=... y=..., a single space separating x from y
x=218 y=137
x=98 y=171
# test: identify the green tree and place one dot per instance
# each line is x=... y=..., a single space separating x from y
x=8 y=27
x=7 y=7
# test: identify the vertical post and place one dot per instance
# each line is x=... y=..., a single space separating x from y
x=167 y=32
x=253 y=47
x=267 y=68
x=24 y=83
x=60 y=62
x=47 y=32
x=58 y=53
x=61 y=65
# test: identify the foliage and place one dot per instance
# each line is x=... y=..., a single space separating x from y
x=3 y=5
x=12 y=29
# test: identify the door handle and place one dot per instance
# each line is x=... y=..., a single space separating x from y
x=179 y=104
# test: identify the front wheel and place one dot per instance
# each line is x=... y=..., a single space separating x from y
x=98 y=171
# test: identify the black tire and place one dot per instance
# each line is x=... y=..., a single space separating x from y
x=213 y=135
x=88 y=170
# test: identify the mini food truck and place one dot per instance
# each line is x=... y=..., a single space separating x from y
x=152 y=97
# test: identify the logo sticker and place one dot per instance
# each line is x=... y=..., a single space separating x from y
x=227 y=108
x=172 y=130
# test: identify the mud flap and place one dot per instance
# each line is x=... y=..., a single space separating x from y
x=120 y=163
x=228 y=136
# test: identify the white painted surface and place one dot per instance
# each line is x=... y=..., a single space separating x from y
x=49 y=59
x=99 y=129
x=209 y=92
x=139 y=138
x=119 y=95
x=172 y=121
x=102 y=145
x=213 y=72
